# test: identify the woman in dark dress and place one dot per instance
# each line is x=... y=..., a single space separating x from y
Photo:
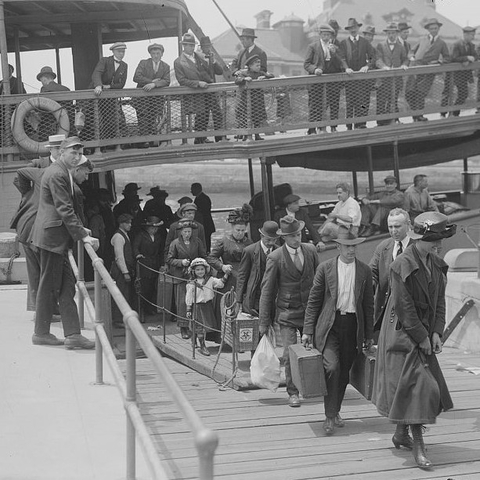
x=409 y=387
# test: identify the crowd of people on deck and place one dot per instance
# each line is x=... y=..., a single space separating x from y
x=197 y=68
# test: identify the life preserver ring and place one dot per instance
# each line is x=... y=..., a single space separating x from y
x=37 y=103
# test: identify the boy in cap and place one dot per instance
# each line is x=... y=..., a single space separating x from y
x=257 y=97
x=150 y=74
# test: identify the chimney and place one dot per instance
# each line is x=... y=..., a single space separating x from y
x=291 y=33
x=263 y=19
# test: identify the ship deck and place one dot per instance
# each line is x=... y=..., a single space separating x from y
x=57 y=424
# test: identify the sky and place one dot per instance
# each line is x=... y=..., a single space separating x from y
x=240 y=12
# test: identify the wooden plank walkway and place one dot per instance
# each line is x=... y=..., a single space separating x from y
x=262 y=438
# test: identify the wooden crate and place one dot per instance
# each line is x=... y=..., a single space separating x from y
x=308 y=374
x=241 y=332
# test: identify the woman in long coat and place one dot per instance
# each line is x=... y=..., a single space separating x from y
x=409 y=387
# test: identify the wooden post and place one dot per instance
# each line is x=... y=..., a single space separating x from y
x=266 y=194
x=270 y=187
x=250 y=178
x=355 y=183
x=18 y=66
x=58 y=66
x=396 y=162
x=179 y=32
x=465 y=177
x=371 y=185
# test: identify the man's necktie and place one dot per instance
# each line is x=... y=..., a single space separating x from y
x=432 y=39
x=297 y=262
x=399 y=248
x=269 y=251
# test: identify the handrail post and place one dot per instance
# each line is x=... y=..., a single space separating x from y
x=164 y=314
x=194 y=323
x=206 y=443
x=81 y=278
x=98 y=321
x=131 y=397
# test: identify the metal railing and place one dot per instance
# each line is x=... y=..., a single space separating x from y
x=132 y=117
x=206 y=440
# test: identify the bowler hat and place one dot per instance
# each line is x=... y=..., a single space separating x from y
x=157 y=192
x=252 y=59
x=290 y=225
x=391 y=27
x=269 y=229
x=71 y=142
x=432 y=21
x=290 y=199
x=369 y=29
x=326 y=28
x=119 y=45
x=46 y=71
x=390 y=178
x=186 y=207
x=352 y=23
x=403 y=26
x=155 y=46
x=334 y=24
x=431 y=226
x=205 y=41
x=346 y=237
x=152 y=221
x=248 y=32
x=55 y=140
x=131 y=188
x=188 y=39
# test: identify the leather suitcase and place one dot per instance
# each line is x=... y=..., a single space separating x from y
x=308 y=374
x=361 y=373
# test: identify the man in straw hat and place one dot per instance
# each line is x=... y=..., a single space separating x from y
x=192 y=71
x=357 y=55
x=249 y=49
x=430 y=50
x=409 y=387
x=390 y=54
x=287 y=280
x=252 y=268
x=53 y=144
x=339 y=320
x=322 y=58
x=56 y=226
x=150 y=74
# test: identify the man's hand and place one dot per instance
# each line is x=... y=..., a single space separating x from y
x=349 y=71
x=185 y=262
x=227 y=269
x=405 y=67
x=364 y=69
x=318 y=71
x=425 y=346
x=307 y=340
x=369 y=343
x=365 y=201
x=127 y=277
x=148 y=87
x=470 y=58
x=94 y=242
x=98 y=90
x=320 y=246
x=436 y=343
x=202 y=84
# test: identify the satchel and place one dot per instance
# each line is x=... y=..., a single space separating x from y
x=362 y=371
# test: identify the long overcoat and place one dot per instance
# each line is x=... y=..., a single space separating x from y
x=409 y=387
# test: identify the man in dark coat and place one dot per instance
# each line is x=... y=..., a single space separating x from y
x=192 y=71
x=252 y=268
x=339 y=320
x=47 y=78
x=386 y=252
x=409 y=387
x=292 y=208
x=130 y=204
x=322 y=58
x=151 y=74
x=16 y=87
x=286 y=283
x=56 y=226
x=249 y=50
x=464 y=52
x=111 y=73
x=403 y=33
x=204 y=205
x=358 y=55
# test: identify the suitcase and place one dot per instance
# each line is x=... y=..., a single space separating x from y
x=361 y=373
x=308 y=374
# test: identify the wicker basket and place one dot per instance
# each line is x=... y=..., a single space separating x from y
x=241 y=332
x=8 y=244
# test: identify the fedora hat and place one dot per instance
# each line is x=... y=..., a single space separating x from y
x=186 y=207
x=55 y=140
x=119 y=45
x=327 y=29
x=346 y=237
x=188 y=39
x=431 y=226
x=391 y=27
x=155 y=46
x=352 y=23
x=403 y=26
x=269 y=229
x=432 y=21
x=205 y=41
x=131 y=188
x=334 y=24
x=46 y=71
x=290 y=225
x=152 y=221
x=248 y=32
x=369 y=29
x=157 y=192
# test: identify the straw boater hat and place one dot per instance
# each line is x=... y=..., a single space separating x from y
x=199 y=262
x=186 y=207
x=248 y=32
x=352 y=23
x=346 y=237
x=431 y=226
x=155 y=46
x=432 y=21
x=152 y=221
x=269 y=229
x=290 y=225
x=391 y=27
x=55 y=141
x=46 y=71
x=119 y=46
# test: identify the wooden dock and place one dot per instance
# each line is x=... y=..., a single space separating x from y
x=262 y=438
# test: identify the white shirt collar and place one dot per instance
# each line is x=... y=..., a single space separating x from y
x=292 y=251
x=292 y=214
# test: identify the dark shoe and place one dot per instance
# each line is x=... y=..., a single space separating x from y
x=321 y=130
x=311 y=131
x=47 y=339
x=329 y=425
x=258 y=137
x=339 y=422
x=401 y=438
x=203 y=348
x=421 y=118
x=349 y=126
x=199 y=140
x=78 y=341
x=419 y=447
x=221 y=139
x=186 y=333
x=294 y=401
x=245 y=138
x=360 y=126
x=443 y=115
x=206 y=140
x=333 y=129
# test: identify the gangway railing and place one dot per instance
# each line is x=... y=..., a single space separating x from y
x=206 y=440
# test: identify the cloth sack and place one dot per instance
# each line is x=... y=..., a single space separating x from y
x=265 y=366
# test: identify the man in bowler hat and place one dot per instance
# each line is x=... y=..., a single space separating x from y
x=286 y=283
